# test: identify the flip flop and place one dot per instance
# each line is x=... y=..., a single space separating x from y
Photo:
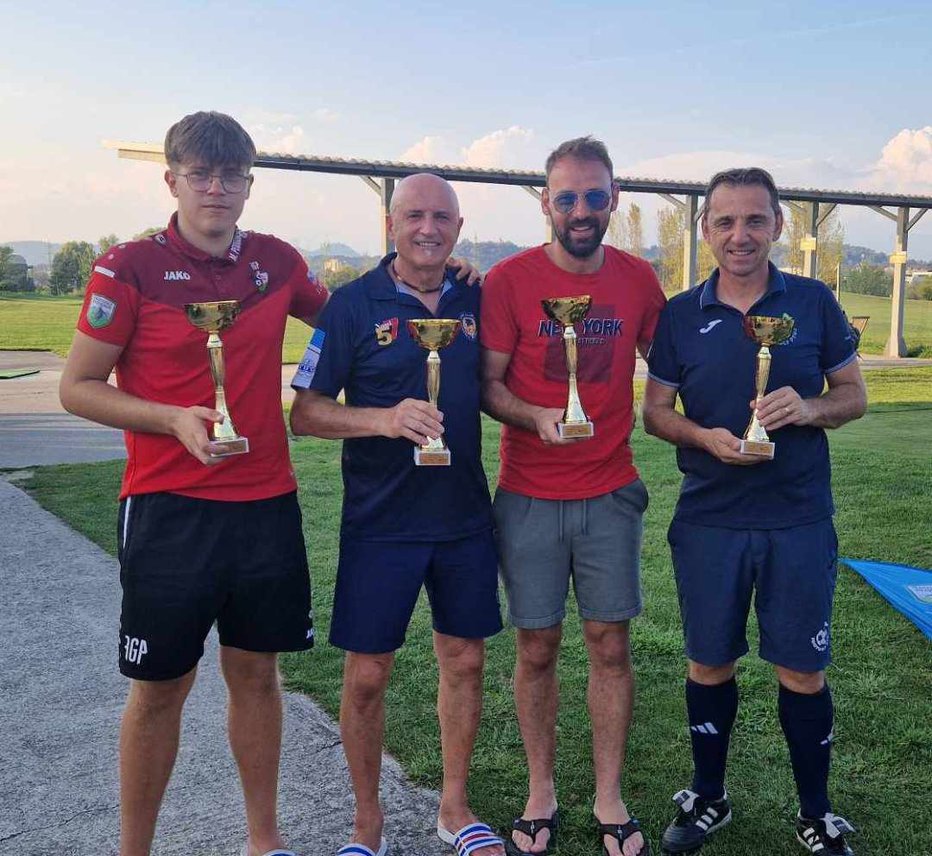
x=621 y=832
x=472 y=837
x=531 y=828
x=271 y=852
x=354 y=849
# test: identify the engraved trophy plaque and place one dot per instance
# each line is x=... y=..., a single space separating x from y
x=569 y=311
x=766 y=331
x=433 y=334
x=214 y=317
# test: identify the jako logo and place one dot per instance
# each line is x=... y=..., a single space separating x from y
x=134 y=650
x=171 y=275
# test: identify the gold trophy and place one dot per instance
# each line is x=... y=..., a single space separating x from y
x=214 y=317
x=766 y=331
x=569 y=311
x=433 y=334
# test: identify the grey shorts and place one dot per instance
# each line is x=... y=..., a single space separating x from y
x=542 y=543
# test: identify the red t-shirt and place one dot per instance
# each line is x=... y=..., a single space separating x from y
x=135 y=298
x=626 y=300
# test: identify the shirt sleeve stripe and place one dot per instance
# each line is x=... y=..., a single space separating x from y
x=842 y=364
x=104 y=271
x=660 y=380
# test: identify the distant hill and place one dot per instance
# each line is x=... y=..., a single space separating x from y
x=484 y=254
x=35 y=252
x=331 y=250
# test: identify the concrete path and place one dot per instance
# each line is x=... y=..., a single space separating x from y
x=60 y=703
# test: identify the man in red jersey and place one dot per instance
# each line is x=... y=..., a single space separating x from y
x=570 y=508
x=202 y=539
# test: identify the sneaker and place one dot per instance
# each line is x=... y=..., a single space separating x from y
x=824 y=835
x=696 y=819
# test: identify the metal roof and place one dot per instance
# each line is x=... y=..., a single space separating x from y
x=397 y=169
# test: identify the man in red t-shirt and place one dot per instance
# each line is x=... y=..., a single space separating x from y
x=570 y=508
x=203 y=539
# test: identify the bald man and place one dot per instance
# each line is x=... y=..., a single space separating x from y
x=406 y=525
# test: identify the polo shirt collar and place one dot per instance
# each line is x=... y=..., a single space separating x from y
x=179 y=243
x=776 y=284
x=382 y=286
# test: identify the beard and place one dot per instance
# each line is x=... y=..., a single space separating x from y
x=581 y=248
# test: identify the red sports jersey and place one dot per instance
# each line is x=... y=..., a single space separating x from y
x=626 y=300
x=135 y=298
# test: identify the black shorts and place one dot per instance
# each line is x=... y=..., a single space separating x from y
x=186 y=563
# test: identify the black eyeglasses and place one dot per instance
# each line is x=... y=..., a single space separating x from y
x=200 y=180
x=596 y=200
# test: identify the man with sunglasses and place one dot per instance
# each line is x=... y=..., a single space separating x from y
x=570 y=509
x=201 y=538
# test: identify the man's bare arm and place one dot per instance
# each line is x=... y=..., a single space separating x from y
x=662 y=420
x=844 y=400
x=502 y=404
x=84 y=391
x=319 y=415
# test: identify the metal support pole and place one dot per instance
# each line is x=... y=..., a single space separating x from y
x=690 y=246
x=896 y=345
x=387 y=189
x=810 y=241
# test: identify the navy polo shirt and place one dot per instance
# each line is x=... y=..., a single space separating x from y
x=700 y=349
x=362 y=346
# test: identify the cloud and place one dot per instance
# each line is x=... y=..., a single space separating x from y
x=506 y=148
x=325 y=114
x=426 y=150
x=279 y=139
x=905 y=163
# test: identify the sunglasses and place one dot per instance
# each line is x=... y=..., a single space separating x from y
x=596 y=200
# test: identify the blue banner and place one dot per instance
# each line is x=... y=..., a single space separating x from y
x=908 y=589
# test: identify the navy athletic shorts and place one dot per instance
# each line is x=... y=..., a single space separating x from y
x=791 y=573
x=186 y=563
x=378 y=583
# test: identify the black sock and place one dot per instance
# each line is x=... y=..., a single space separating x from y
x=807 y=722
x=712 y=711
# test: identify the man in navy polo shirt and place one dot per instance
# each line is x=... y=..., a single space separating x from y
x=405 y=526
x=746 y=523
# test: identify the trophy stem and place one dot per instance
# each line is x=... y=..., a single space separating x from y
x=220 y=430
x=434 y=452
x=756 y=440
x=575 y=422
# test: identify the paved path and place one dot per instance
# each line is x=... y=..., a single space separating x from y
x=60 y=704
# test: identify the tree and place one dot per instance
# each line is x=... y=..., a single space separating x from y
x=145 y=233
x=71 y=267
x=868 y=279
x=921 y=289
x=106 y=242
x=830 y=250
x=671 y=228
x=333 y=279
x=5 y=253
x=626 y=231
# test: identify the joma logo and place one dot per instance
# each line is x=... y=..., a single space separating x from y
x=174 y=275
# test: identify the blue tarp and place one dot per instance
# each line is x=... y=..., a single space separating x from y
x=908 y=589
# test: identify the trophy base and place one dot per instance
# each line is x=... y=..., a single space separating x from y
x=575 y=430
x=226 y=448
x=761 y=448
x=431 y=457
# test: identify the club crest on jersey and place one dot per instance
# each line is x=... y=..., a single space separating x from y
x=177 y=275
x=259 y=277
x=468 y=323
x=386 y=331
x=100 y=311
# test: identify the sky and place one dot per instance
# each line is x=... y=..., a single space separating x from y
x=833 y=95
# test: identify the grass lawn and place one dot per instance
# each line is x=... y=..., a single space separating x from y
x=881 y=676
x=47 y=324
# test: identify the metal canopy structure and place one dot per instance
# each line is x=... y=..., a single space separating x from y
x=816 y=206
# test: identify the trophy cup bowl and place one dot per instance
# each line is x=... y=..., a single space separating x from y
x=433 y=334
x=569 y=311
x=766 y=330
x=213 y=317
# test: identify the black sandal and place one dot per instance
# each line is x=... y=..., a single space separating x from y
x=531 y=828
x=621 y=832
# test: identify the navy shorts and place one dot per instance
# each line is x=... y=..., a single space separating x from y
x=186 y=563
x=791 y=573
x=378 y=583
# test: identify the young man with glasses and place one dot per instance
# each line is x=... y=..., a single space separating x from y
x=203 y=539
x=570 y=509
